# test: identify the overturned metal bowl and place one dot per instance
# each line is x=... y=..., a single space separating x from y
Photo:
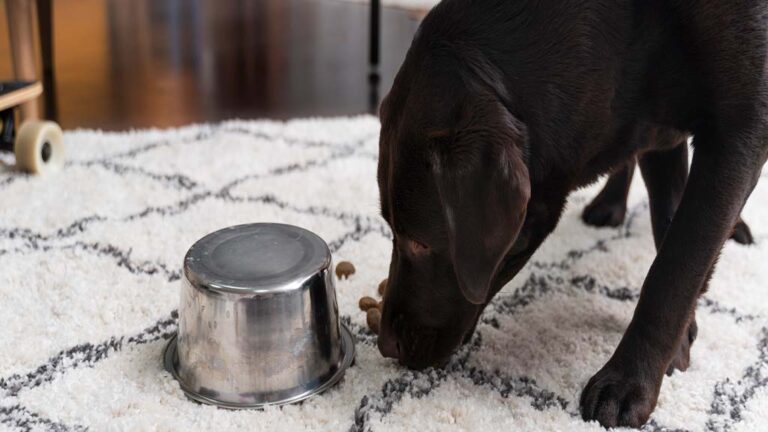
x=258 y=320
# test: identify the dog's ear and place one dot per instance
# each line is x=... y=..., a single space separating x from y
x=484 y=188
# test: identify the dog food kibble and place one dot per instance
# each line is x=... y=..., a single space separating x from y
x=344 y=270
x=373 y=317
x=373 y=307
x=367 y=303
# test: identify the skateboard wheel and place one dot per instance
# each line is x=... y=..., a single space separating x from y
x=39 y=147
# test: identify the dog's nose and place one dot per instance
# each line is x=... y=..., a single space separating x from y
x=389 y=346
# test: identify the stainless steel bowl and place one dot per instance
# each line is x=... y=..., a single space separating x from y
x=258 y=320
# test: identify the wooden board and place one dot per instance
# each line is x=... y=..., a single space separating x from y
x=22 y=15
x=13 y=93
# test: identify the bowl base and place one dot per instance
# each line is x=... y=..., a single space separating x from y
x=170 y=361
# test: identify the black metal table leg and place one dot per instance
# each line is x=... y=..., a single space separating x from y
x=374 y=55
x=375 y=34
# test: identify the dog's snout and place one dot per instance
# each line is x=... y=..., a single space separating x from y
x=389 y=345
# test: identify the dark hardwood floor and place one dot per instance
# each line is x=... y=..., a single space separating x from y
x=124 y=64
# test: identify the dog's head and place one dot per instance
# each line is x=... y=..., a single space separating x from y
x=454 y=189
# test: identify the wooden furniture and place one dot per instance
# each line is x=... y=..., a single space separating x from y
x=22 y=15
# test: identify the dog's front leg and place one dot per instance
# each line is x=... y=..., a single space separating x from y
x=625 y=390
x=730 y=42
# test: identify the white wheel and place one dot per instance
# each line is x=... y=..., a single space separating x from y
x=39 y=147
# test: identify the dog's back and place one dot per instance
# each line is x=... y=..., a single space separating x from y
x=573 y=70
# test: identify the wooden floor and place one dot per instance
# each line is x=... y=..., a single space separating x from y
x=124 y=64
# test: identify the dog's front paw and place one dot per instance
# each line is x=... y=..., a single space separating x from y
x=614 y=397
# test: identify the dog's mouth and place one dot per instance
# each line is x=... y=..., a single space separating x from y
x=428 y=350
x=421 y=364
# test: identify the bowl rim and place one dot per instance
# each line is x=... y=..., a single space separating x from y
x=170 y=362
x=224 y=286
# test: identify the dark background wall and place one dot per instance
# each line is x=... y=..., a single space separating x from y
x=136 y=63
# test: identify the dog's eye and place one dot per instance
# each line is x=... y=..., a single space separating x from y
x=417 y=247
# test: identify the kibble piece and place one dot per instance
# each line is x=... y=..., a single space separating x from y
x=367 y=303
x=344 y=270
x=383 y=287
x=380 y=306
x=373 y=318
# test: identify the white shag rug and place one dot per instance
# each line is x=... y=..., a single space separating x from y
x=89 y=269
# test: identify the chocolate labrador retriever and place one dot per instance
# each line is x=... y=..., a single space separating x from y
x=502 y=108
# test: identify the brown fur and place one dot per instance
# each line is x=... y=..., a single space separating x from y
x=502 y=108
